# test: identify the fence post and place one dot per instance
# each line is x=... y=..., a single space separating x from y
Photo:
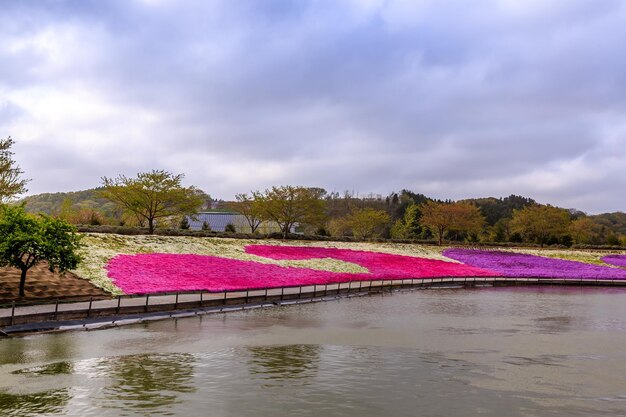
x=314 y=290
x=89 y=310
x=300 y=292
x=282 y=291
x=325 y=290
x=247 y=294
x=119 y=300
x=56 y=309
x=200 y=298
x=147 y=300
x=224 y=297
x=266 y=294
x=176 y=302
x=12 y=312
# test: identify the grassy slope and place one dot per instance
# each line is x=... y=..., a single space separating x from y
x=100 y=248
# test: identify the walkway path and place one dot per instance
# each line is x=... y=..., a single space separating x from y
x=162 y=305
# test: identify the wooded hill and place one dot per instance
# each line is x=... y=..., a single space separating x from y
x=52 y=203
x=93 y=209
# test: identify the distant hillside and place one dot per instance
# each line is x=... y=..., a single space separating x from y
x=50 y=203
x=613 y=221
x=495 y=209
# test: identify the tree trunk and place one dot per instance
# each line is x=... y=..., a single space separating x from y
x=151 y=226
x=23 y=281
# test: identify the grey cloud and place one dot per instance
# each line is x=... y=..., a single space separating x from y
x=323 y=93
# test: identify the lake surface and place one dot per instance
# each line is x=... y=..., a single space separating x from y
x=544 y=351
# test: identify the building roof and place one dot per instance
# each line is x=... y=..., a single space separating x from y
x=217 y=220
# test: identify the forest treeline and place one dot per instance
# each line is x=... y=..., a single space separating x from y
x=400 y=215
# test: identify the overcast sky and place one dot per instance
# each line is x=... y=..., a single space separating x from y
x=453 y=99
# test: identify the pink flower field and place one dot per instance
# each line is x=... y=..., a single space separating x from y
x=380 y=265
x=150 y=273
x=157 y=272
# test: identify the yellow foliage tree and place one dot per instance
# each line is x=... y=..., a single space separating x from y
x=367 y=222
x=291 y=205
x=442 y=217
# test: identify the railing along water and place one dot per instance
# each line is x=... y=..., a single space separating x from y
x=173 y=301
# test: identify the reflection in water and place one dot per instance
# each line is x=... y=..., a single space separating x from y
x=56 y=368
x=493 y=352
x=284 y=362
x=25 y=405
x=553 y=325
x=145 y=381
x=35 y=349
x=60 y=347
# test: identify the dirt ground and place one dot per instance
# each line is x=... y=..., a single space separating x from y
x=43 y=285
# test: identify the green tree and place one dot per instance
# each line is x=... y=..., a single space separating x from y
x=408 y=227
x=367 y=222
x=249 y=208
x=11 y=183
x=26 y=240
x=66 y=211
x=613 y=240
x=539 y=222
x=501 y=231
x=290 y=205
x=153 y=195
x=581 y=230
x=338 y=226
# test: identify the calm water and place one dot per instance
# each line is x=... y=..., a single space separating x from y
x=493 y=352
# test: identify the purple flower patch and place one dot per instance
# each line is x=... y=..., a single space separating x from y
x=617 y=260
x=520 y=265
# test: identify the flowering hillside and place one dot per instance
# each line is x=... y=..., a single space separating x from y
x=149 y=264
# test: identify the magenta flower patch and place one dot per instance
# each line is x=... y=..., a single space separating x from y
x=149 y=273
x=617 y=260
x=520 y=265
x=380 y=265
x=156 y=272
